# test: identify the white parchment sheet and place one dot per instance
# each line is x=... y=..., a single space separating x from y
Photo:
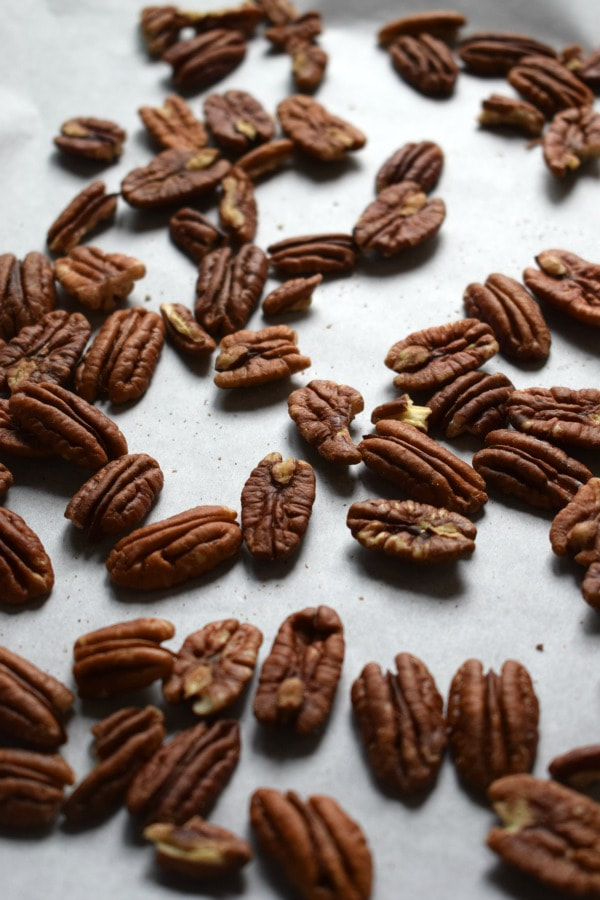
x=513 y=599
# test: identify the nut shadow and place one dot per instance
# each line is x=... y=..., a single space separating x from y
x=321 y=172
x=435 y=583
x=144 y=596
x=579 y=335
x=519 y=885
x=339 y=478
x=88 y=169
x=251 y=399
x=229 y=885
x=270 y=570
x=559 y=189
x=372 y=266
x=281 y=743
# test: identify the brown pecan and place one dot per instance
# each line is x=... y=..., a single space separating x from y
x=66 y=424
x=183 y=546
x=425 y=470
x=590 y=587
x=575 y=532
x=572 y=137
x=588 y=69
x=421 y=163
x=184 y=331
x=321 y=850
x=496 y=52
x=214 y=666
x=305 y=28
x=550 y=832
x=124 y=741
x=265 y=158
x=322 y=411
x=244 y=18
x=117 y=497
x=441 y=23
x=579 y=768
x=429 y=358
x=533 y=470
x=473 y=402
x=317 y=132
x=291 y=296
x=277 y=501
x=46 y=351
x=96 y=278
x=198 y=849
x=425 y=63
x=548 y=84
x=173 y=125
x=313 y=254
x=401 y=722
x=250 y=358
x=299 y=678
x=279 y=12
x=161 y=26
x=237 y=121
x=25 y=569
x=122 y=358
x=91 y=206
x=33 y=704
x=399 y=218
x=309 y=62
x=122 y=657
x=15 y=441
x=492 y=722
x=185 y=777
x=26 y=291
x=6 y=479
x=402 y=409
x=202 y=60
x=97 y=139
x=194 y=233
x=567 y=282
x=498 y=110
x=174 y=176
x=31 y=788
x=557 y=414
x=237 y=209
x=412 y=531
x=228 y=288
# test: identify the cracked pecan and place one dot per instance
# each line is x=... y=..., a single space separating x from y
x=251 y=358
x=548 y=84
x=198 y=849
x=96 y=278
x=184 y=331
x=214 y=666
x=291 y=296
x=498 y=110
x=317 y=132
x=309 y=62
x=425 y=63
x=306 y=28
x=161 y=26
x=441 y=23
x=122 y=358
x=572 y=137
x=575 y=532
x=85 y=211
x=402 y=409
x=25 y=569
x=185 y=777
x=176 y=549
x=194 y=233
x=300 y=676
x=492 y=722
x=401 y=722
x=322 y=411
x=568 y=283
x=412 y=531
x=202 y=60
x=313 y=254
x=26 y=291
x=401 y=217
x=97 y=139
x=15 y=441
x=237 y=121
x=421 y=163
x=238 y=213
x=31 y=788
x=496 y=52
x=173 y=125
x=265 y=158
x=244 y=18
x=321 y=850
x=279 y=12
x=277 y=501
x=473 y=402
x=578 y=768
x=228 y=288
x=174 y=177
x=557 y=414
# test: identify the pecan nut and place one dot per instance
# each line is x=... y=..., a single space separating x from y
x=251 y=358
x=97 y=139
x=176 y=549
x=399 y=218
x=198 y=849
x=202 y=60
x=496 y=52
x=473 y=402
x=161 y=26
x=279 y=12
x=322 y=411
x=313 y=254
x=237 y=121
x=498 y=110
x=572 y=137
x=228 y=288
x=96 y=278
x=578 y=768
x=587 y=68
x=277 y=501
x=237 y=209
x=31 y=788
x=26 y=291
x=568 y=283
x=557 y=414
x=183 y=330
x=244 y=18
x=402 y=409
x=426 y=63
x=265 y=158
x=492 y=722
x=317 y=132
x=575 y=532
x=306 y=28
x=173 y=125
x=85 y=211
x=401 y=722
x=174 y=176
x=441 y=23
x=548 y=84
x=6 y=479
x=309 y=62
x=421 y=163
x=291 y=296
x=25 y=569
x=15 y=441
x=194 y=233
x=214 y=666
x=300 y=676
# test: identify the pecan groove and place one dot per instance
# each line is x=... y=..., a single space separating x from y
x=31 y=788
x=173 y=125
x=202 y=60
x=572 y=137
x=473 y=402
x=401 y=217
x=425 y=63
x=161 y=26
x=25 y=569
x=548 y=84
x=496 y=52
x=174 y=176
x=558 y=414
x=567 y=282
x=96 y=278
x=313 y=254
x=317 y=132
x=26 y=291
x=322 y=411
x=91 y=206
x=421 y=163
x=251 y=358
x=228 y=288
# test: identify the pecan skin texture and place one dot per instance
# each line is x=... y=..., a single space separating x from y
x=425 y=63
x=202 y=60
x=317 y=132
x=214 y=666
x=291 y=296
x=572 y=137
x=98 y=279
x=15 y=441
x=228 y=288
x=90 y=207
x=194 y=233
x=575 y=532
x=238 y=212
x=25 y=569
x=265 y=158
x=496 y=52
x=237 y=121
x=473 y=402
x=412 y=531
x=31 y=788
x=183 y=330
x=401 y=722
x=176 y=549
x=548 y=84
x=321 y=850
x=498 y=110
x=312 y=254
x=198 y=849
x=173 y=125
x=97 y=139
x=567 y=282
x=322 y=411
x=492 y=722
x=122 y=358
x=578 y=768
x=299 y=678
x=26 y=292
x=441 y=23
x=421 y=163
x=174 y=176
x=251 y=358
x=557 y=414
x=401 y=217
x=277 y=501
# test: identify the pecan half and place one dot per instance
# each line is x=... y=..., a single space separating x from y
x=550 y=832
x=492 y=722
x=496 y=52
x=97 y=139
x=557 y=414
x=422 y=468
x=173 y=125
x=117 y=497
x=309 y=62
x=182 y=328
x=572 y=137
x=421 y=163
x=441 y=23
x=266 y=157
x=300 y=676
x=91 y=206
x=238 y=213
x=575 y=532
x=237 y=121
x=279 y=12
x=25 y=569
x=317 y=132
x=15 y=441
x=399 y=218
x=251 y=358
x=67 y=424
x=46 y=351
x=194 y=233
x=429 y=358
x=122 y=657
x=322 y=412
x=26 y=291
x=214 y=666
x=277 y=501
x=306 y=28
x=244 y=18
x=228 y=288
x=174 y=176
x=473 y=402
x=313 y=254
x=291 y=296
x=176 y=549
x=202 y=60
x=588 y=69
x=548 y=84
x=96 y=278
x=31 y=788
x=321 y=850
x=425 y=63
x=198 y=849
x=402 y=409
x=498 y=110
x=579 y=768
x=567 y=282
x=121 y=360
x=401 y=722
x=412 y=531
x=185 y=777
x=161 y=26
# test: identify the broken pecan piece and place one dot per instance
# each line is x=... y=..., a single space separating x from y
x=26 y=291
x=251 y=358
x=572 y=137
x=91 y=206
x=421 y=163
x=265 y=158
x=309 y=62
x=473 y=402
x=399 y=218
x=578 y=768
x=238 y=213
x=198 y=849
x=498 y=110
x=174 y=176
x=173 y=125
x=31 y=788
x=202 y=60
x=237 y=121
x=313 y=254
x=441 y=23
x=567 y=282
x=317 y=132
x=228 y=288
x=557 y=414
x=322 y=411
x=25 y=569
x=194 y=233
x=184 y=331
x=300 y=676
x=496 y=52
x=291 y=296
x=425 y=63
x=96 y=278
x=306 y=28
x=575 y=532
x=244 y=18
x=402 y=409
x=548 y=84
x=97 y=139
